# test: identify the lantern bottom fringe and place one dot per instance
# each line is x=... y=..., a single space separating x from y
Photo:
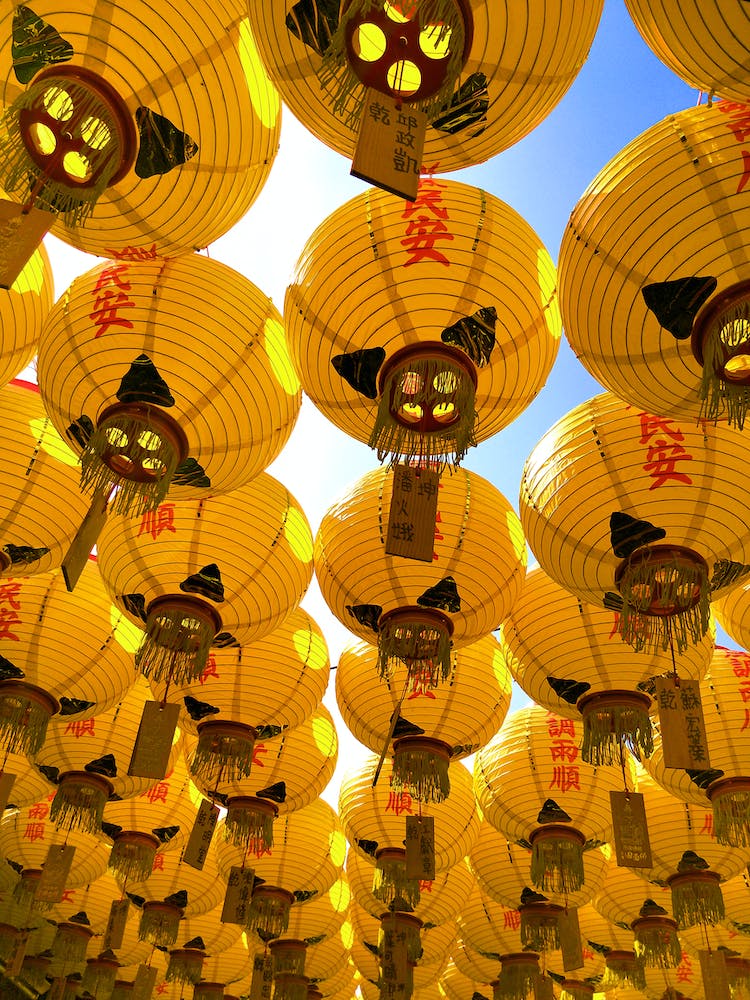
x=24 y=895
x=540 y=929
x=424 y=648
x=608 y=729
x=697 y=902
x=287 y=986
x=390 y=883
x=671 y=580
x=346 y=90
x=134 y=497
x=288 y=957
x=268 y=914
x=557 y=865
x=23 y=723
x=657 y=947
x=185 y=966
x=173 y=650
x=244 y=826
x=440 y=447
x=222 y=758
x=516 y=981
x=70 y=946
x=722 y=398
x=79 y=805
x=159 y=925
x=620 y=972
x=34 y=972
x=99 y=980
x=423 y=773
x=131 y=862
x=732 y=818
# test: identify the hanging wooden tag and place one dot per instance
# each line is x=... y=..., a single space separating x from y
x=84 y=541
x=420 y=848
x=57 y=989
x=144 y=982
x=394 y=962
x=118 y=918
x=14 y=958
x=544 y=989
x=55 y=872
x=412 y=514
x=390 y=145
x=237 y=898
x=632 y=844
x=262 y=981
x=153 y=744
x=715 y=976
x=199 y=841
x=20 y=235
x=683 y=731
x=6 y=786
x=571 y=945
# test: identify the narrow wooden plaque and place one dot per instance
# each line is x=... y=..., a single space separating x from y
x=199 y=841
x=413 y=513
x=683 y=731
x=144 y=983
x=544 y=989
x=55 y=872
x=20 y=235
x=715 y=977
x=571 y=945
x=420 y=848
x=17 y=953
x=390 y=145
x=118 y=918
x=57 y=989
x=262 y=981
x=6 y=786
x=632 y=844
x=85 y=539
x=237 y=898
x=153 y=744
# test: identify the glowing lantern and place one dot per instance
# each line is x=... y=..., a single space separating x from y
x=683 y=982
x=231 y=965
x=168 y=377
x=472 y=78
x=732 y=613
x=155 y=128
x=197 y=938
x=535 y=756
x=569 y=657
x=23 y=308
x=641 y=515
x=417 y=610
x=406 y=341
x=454 y=985
x=652 y=289
x=228 y=570
x=622 y=967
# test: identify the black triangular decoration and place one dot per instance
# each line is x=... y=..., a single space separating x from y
x=368 y=615
x=627 y=533
x=197 y=943
x=206 y=583
x=372 y=948
x=224 y=640
x=198 y=710
x=79 y=918
x=142 y=383
x=268 y=732
x=474 y=335
x=9 y=671
x=36 y=44
x=162 y=145
x=360 y=369
x=165 y=833
x=568 y=690
x=466 y=109
x=302 y=895
x=73 y=706
x=191 y=473
x=703 y=778
x=50 y=772
x=726 y=572
x=179 y=898
x=531 y=896
x=24 y=555
x=368 y=846
x=81 y=430
x=676 y=303
x=692 y=862
x=552 y=813
x=111 y=830
x=314 y=22
x=106 y=766
x=444 y=596
x=136 y=900
x=612 y=601
x=405 y=728
x=275 y=793
x=17 y=868
x=134 y=604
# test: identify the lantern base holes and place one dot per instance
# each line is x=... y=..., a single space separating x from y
x=623 y=969
x=655 y=939
x=725 y=349
x=390 y=881
x=160 y=924
x=224 y=752
x=613 y=722
x=185 y=966
x=249 y=824
x=557 y=860
x=24 y=713
x=697 y=899
x=730 y=802
x=79 y=802
x=540 y=926
x=421 y=766
x=269 y=910
x=132 y=856
x=179 y=633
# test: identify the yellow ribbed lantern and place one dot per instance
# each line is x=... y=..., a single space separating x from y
x=568 y=656
x=732 y=612
x=168 y=378
x=653 y=284
x=532 y=784
x=640 y=514
x=423 y=328
x=223 y=969
x=219 y=571
x=703 y=43
x=472 y=77
x=154 y=128
x=23 y=309
x=62 y=655
x=416 y=610
x=623 y=968
x=684 y=982
x=199 y=937
x=454 y=985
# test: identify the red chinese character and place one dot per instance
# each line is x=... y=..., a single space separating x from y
x=257 y=848
x=744 y=690
x=740 y=663
x=154 y=522
x=739 y=119
x=131 y=253
x=80 y=727
x=422 y=234
x=685 y=969
x=157 y=793
x=638 y=626
x=661 y=464
x=39 y=810
x=511 y=919
x=158 y=865
x=112 y=276
x=8 y=618
x=708 y=824
x=438 y=536
x=258 y=749
x=421 y=682
x=105 y=314
x=746 y=723
x=399 y=802
x=560 y=727
x=566 y=777
x=68 y=896
x=429 y=198
x=34 y=831
x=210 y=670
x=425 y=885
x=564 y=751
x=161 y=989
x=651 y=425
x=745 y=171
x=9 y=595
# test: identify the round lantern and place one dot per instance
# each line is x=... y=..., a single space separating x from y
x=532 y=784
x=145 y=131
x=459 y=60
x=167 y=377
x=422 y=329
x=684 y=982
x=454 y=985
x=653 y=288
x=23 y=309
x=198 y=938
x=416 y=610
x=732 y=612
x=641 y=515
x=220 y=571
x=623 y=968
x=569 y=657
x=220 y=969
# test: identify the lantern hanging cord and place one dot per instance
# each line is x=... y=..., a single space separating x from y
x=624 y=772
x=394 y=719
x=675 y=675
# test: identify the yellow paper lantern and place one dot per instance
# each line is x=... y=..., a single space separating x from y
x=494 y=933
x=23 y=309
x=684 y=982
x=454 y=985
x=417 y=610
x=159 y=125
x=222 y=571
x=226 y=968
x=623 y=968
x=168 y=378
x=640 y=514
x=653 y=291
x=198 y=938
x=568 y=656
x=423 y=328
x=532 y=784
x=732 y=612
x=494 y=60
